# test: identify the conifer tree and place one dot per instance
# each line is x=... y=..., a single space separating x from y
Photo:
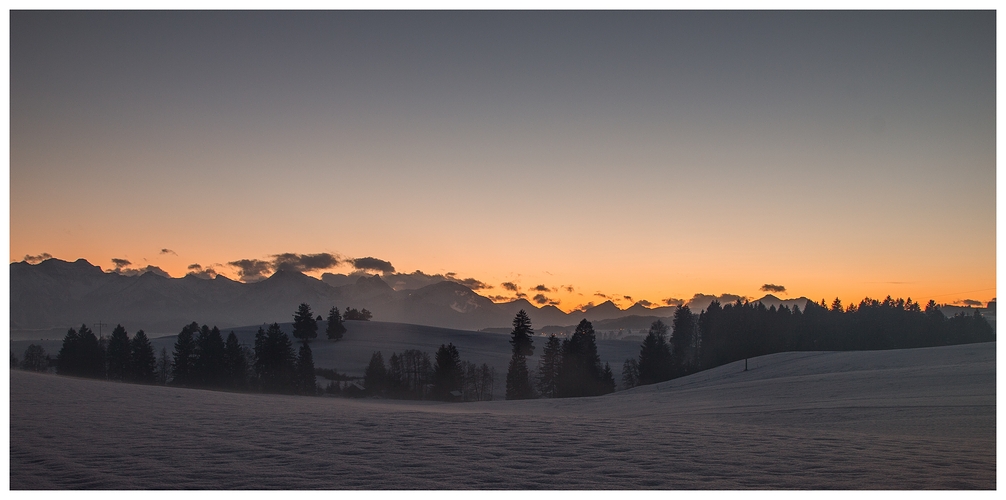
x=580 y=372
x=182 y=367
x=68 y=358
x=118 y=354
x=682 y=339
x=275 y=360
x=141 y=359
x=518 y=381
x=654 y=356
x=209 y=363
x=630 y=373
x=376 y=374
x=334 y=328
x=306 y=383
x=305 y=327
x=548 y=367
x=447 y=375
x=235 y=363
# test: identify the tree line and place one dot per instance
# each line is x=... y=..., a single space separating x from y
x=201 y=356
x=567 y=368
x=724 y=334
x=412 y=375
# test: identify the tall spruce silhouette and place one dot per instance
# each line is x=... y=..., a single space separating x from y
x=274 y=360
x=334 y=329
x=581 y=373
x=209 y=368
x=518 y=380
x=548 y=367
x=81 y=354
x=654 y=363
x=447 y=375
x=375 y=376
x=183 y=366
x=142 y=363
x=305 y=327
x=118 y=354
x=235 y=363
x=305 y=379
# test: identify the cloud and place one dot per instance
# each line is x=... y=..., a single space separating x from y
x=136 y=272
x=541 y=299
x=645 y=303
x=969 y=302
x=521 y=295
x=541 y=288
x=603 y=296
x=308 y=262
x=509 y=286
x=251 y=269
x=198 y=271
x=773 y=288
x=627 y=297
x=35 y=259
x=472 y=283
x=568 y=288
x=702 y=301
x=121 y=263
x=671 y=301
x=167 y=251
x=372 y=264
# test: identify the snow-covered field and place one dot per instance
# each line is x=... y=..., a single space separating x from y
x=920 y=418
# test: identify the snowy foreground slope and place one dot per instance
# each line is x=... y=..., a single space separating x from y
x=919 y=418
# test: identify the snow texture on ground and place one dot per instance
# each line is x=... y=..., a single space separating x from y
x=903 y=419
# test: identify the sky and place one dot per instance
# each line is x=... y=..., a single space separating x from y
x=648 y=155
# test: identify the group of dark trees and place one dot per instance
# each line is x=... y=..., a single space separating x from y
x=724 y=334
x=117 y=357
x=35 y=359
x=567 y=368
x=201 y=357
x=411 y=375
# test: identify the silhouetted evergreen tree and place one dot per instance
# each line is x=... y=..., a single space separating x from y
x=81 y=354
x=518 y=381
x=335 y=329
x=396 y=376
x=654 y=356
x=274 y=360
x=183 y=366
x=118 y=354
x=548 y=367
x=235 y=363
x=607 y=380
x=580 y=372
x=630 y=373
x=682 y=341
x=306 y=383
x=446 y=372
x=209 y=368
x=305 y=327
x=376 y=375
x=141 y=359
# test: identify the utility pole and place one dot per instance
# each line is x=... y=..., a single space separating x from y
x=99 y=324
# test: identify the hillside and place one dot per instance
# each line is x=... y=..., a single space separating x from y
x=898 y=419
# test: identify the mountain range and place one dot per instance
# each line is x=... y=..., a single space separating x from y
x=56 y=294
